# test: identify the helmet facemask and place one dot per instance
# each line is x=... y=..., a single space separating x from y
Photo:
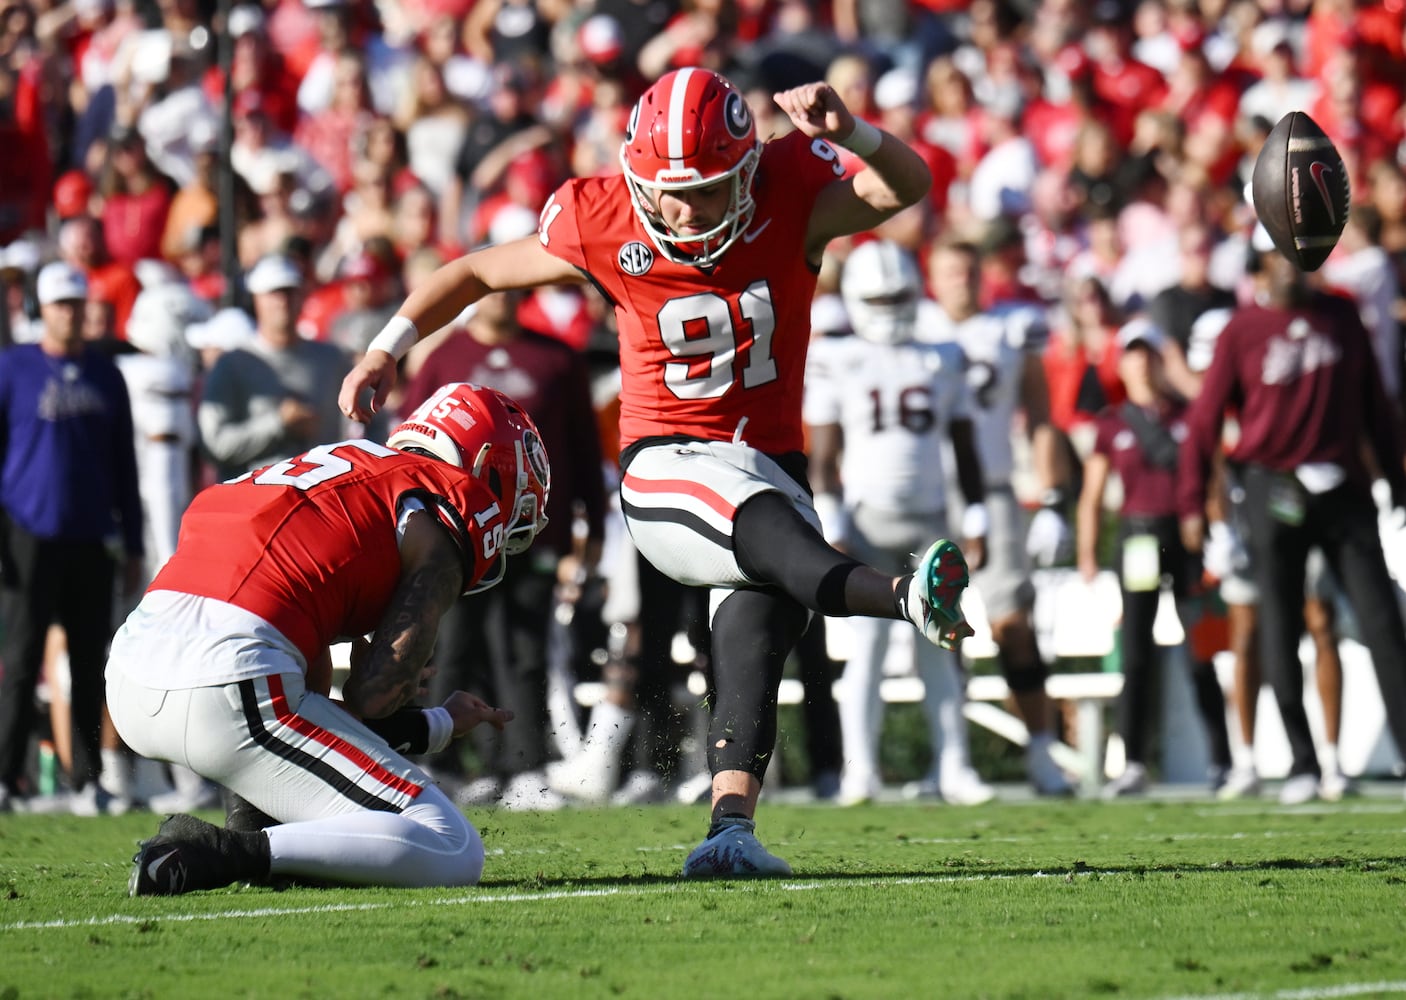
x=691 y=130
x=695 y=249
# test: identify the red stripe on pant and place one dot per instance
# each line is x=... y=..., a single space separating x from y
x=287 y=717
x=685 y=486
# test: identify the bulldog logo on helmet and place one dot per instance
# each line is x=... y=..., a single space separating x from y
x=737 y=115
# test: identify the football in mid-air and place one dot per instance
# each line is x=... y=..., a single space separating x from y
x=1301 y=190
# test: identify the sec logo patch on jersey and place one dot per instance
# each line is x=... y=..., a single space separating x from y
x=635 y=258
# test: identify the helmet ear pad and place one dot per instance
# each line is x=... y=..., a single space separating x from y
x=692 y=129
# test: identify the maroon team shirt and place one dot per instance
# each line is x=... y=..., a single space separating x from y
x=1306 y=385
x=1148 y=490
x=550 y=382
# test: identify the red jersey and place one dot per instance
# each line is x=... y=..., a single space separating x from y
x=703 y=351
x=310 y=545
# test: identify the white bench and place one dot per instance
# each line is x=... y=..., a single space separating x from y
x=1090 y=693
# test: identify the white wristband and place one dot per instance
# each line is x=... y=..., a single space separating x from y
x=864 y=141
x=396 y=337
x=441 y=726
x=975 y=522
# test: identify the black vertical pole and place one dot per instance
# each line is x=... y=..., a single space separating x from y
x=229 y=257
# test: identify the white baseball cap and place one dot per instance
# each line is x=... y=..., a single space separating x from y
x=60 y=282
x=898 y=88
x=512 y=222
x=228 y=329
x=271 y=274
x=1141 y=331
x=245 y=18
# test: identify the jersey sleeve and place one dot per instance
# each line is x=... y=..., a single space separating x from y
x=559 y=228
x=803 y=166
x=471 y=516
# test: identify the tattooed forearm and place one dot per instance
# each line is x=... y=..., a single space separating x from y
x=390 y=675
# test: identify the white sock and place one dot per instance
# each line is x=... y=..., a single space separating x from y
x=860 y=707
x=116 y=777
x=943 y=697
x=1242 y=756
x=1328 y=758
x=609 y=728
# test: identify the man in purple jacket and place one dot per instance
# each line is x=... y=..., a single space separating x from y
x=69 y=507
x=1298 y=369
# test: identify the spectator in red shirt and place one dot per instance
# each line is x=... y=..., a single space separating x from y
x=1374 y=29
x=329 y=135
x=1360 y=114
x=1081 y=359
x=1125 y=85
x=701 y=34
x=25 y=166
x=950 y=116
x=81 y=244
x=895 y=97
x=1055 y=123
x=256 y=66
x=1206 y=103
x=415 y=223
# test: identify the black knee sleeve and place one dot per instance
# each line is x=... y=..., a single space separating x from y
x=1019 y=658
x=753 y=632
x=776 y=545
x=1029 y=677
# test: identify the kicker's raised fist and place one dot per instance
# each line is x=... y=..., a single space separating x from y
x=816 y=110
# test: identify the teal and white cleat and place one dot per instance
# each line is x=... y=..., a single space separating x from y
x=934 y=601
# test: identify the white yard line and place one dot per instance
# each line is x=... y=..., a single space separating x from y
x=1309 y=993
x=517 y=897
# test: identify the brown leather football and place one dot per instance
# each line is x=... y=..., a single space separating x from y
x=1301 y=190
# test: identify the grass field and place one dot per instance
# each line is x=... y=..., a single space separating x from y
x=1157 y=898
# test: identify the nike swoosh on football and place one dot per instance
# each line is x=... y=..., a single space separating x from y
x=1318 y=168
x=752 y=234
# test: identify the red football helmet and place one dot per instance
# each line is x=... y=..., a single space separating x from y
x=490 y=436
x=689 y=130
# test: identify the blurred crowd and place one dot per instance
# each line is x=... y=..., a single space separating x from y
x=1096 y=154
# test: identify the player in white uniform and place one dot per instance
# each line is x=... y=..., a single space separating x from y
x=160 y=377
x=1006 y=377
x=878 y=406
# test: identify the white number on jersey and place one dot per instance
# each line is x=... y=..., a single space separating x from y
x=700 y=328
x=319 y=465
